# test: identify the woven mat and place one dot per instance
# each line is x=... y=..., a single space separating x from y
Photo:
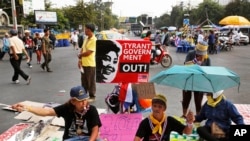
x=174 y=136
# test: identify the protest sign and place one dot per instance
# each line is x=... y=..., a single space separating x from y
x=144 y=90
x=119 y=127
x=122 y=61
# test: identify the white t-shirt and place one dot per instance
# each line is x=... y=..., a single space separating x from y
x=200 y=38
x=17 y=44
x=74 y=37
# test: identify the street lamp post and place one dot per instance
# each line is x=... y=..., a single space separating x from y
x=13 y=6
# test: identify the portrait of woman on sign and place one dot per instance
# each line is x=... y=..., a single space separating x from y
x=107 y=60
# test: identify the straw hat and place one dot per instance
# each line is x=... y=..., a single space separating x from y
x=201 y=48
x=26 y=31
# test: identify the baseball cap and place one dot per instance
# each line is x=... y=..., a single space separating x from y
x=78 y=93
x=13 y=32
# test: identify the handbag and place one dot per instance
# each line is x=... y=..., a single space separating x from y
x=112 y=100
x=217 y=131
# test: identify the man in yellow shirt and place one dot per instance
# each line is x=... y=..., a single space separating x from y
x=87 y=61
x=190 y=40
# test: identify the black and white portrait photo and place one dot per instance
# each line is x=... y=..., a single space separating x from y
x=107 y=60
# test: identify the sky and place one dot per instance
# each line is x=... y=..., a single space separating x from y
x=127 y=8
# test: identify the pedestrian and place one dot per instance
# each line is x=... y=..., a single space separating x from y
x=198 y=56
x=38 y=47
x=29 y=44
x=165 y=38
x=237 y=37
x=16 y=54
x=80 y=39
x=190 y=41
x=46 y=50
x=157 y=46
x=211 y=42
x=87 y=61
x=20 y=35
x=148 y=35
x=52 y=38
x=74 y=39
x=157 y=126
x=219 y=114
x=153 y=51
x=6 y=46
x=76 y=113
x=201 y=37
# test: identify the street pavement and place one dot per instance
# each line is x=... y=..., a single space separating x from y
x=54 y=87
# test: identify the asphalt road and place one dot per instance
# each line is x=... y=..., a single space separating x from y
x=54 y=87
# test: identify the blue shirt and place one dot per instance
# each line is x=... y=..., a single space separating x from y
x=211 y=39
x=222 y=114
x=157 y=39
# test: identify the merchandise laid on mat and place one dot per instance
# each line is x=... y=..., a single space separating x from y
x=174 y=136
x=36 y=128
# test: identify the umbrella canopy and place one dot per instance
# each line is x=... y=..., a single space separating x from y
x=234 y=20
x=198 y=78
x=172 y=28
x=164 y=27
x=178 y=33
x=210 y=27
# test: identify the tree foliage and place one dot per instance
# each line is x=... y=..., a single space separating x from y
x=238 y=7
x=210 y=10
x=99 y=13
x=197 y=15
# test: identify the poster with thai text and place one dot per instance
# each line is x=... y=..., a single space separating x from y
x=119 y=127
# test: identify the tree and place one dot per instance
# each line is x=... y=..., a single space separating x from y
x=48 y=4
x=62 y=21
x=238 y=7
x=90 y=12
x=197 y=15
x=214 y=12
x=176 y=16
x=163 y=20
x=80 y=14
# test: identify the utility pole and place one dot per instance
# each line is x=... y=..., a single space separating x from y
x=102 y=20
x=13 y=6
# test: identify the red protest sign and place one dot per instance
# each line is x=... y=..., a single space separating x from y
x=120 y=61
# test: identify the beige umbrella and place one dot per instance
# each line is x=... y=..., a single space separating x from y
x=234 y=20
